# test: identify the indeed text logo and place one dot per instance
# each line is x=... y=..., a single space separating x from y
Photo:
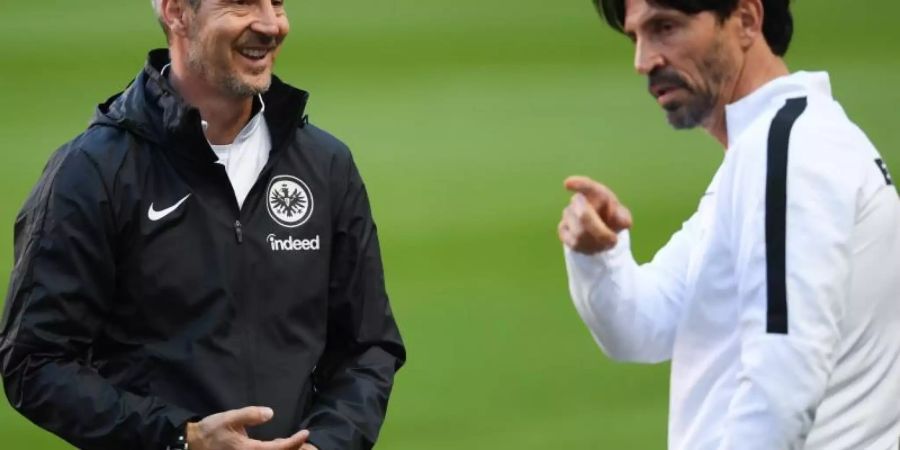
x=291 y=244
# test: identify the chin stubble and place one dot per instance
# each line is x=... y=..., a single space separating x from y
x=235 y=86
x=701 y=103
x=226 y=79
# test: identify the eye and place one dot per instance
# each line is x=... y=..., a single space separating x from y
x=664 y=27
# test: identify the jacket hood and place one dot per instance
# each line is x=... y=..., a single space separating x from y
x=151 y=108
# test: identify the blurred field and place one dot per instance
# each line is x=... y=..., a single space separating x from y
x=464 y=116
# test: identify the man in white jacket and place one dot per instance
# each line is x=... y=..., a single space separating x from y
x=778 y=302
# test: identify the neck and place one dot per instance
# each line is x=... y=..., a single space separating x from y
x=758 y=67
x=225 y=115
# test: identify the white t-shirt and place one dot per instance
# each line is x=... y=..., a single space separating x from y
x=779 y=300
x=245 y=158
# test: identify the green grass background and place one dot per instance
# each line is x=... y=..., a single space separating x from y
x=464 y=116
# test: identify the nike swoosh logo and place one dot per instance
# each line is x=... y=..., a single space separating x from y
x=155 y=215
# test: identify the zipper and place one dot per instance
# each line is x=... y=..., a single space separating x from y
x=250 y=338
x=239 y=231
x=262 y=180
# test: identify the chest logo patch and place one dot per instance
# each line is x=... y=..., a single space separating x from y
x=289 y=201
x=156 y=216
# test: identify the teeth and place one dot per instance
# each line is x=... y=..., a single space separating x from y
x=254 y=53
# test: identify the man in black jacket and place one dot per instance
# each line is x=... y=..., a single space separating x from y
x=199 y=250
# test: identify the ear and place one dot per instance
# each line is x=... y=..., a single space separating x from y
x=750 y=15
x=176 y=15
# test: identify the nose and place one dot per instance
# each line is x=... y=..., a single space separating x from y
x=646 y=57
x=267 y=20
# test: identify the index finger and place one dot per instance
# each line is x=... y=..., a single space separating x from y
x=593 y=190
x=602 y=199
x=251 y=415
x=598 y=195
x=292 y=443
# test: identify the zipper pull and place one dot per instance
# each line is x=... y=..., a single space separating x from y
x=239 y=231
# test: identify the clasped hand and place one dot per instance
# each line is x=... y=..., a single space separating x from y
x=228 y=431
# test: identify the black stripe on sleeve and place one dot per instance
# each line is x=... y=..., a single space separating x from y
x=884 y=171
x=776 y=214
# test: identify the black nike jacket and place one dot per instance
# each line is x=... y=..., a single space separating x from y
x=142 y=297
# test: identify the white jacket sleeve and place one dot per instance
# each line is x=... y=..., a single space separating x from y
x=632 y=311
x=793 y=269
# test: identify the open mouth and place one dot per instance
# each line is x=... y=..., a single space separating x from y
x=254 y=54
x=664 y=93
x=659 y=91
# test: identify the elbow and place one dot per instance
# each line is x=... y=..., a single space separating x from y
x=9 y=373
x=13 y=387
x=616 y=353
x=19 y=374
x=625 y=353
x=620 y=342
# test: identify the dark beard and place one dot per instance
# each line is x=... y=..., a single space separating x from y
x=702 y=100
x=223 y=78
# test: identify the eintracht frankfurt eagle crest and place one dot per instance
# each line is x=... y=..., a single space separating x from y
x=290 y=202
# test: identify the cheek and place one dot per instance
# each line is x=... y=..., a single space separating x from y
x=210 y=41
x=691 y=57
x=220 y=50
x=689 y=69
x=720 y=66
x=700 y=73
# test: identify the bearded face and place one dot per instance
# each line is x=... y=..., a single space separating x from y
x=233 y=45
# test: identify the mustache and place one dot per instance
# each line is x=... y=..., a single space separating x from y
x=666 y=77
x=254 y=39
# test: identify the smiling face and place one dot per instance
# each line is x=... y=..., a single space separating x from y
x=690 y=60
x=232 y=44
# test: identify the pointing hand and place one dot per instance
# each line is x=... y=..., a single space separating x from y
x=593 y=218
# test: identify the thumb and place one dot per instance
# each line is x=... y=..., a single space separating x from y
x=620 y=219
x=249 y=416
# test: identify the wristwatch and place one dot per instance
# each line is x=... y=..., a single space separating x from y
x=179 y=442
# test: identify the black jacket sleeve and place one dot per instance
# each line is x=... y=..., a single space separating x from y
x=363 y=351
x=62 y=286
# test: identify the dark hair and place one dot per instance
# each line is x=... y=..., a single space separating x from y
x=778 y=24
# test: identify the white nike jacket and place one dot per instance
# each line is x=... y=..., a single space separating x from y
x=778 y=302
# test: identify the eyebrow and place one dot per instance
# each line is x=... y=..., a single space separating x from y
x=653 y=17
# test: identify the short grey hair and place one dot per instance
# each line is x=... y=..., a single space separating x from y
x=157 y=8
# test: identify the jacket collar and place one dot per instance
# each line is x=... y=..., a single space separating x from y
x=771 y=96
x=153 y=109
